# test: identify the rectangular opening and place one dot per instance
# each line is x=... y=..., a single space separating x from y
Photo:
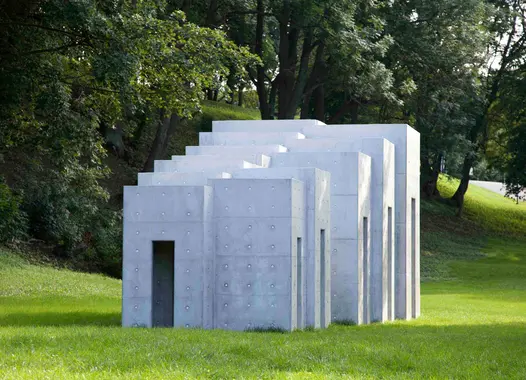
x=390 y=264
x=365 y=267
x=163 y=284
x=322 y=277
x=299 y=302
x=413 y=257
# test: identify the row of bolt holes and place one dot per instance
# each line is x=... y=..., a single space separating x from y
x=189 y=194
x=272 y=227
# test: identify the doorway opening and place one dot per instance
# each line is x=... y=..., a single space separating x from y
x=163 y=284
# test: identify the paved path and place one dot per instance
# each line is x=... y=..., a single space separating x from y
x=497 y=187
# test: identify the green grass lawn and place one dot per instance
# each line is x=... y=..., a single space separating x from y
x=61 y=324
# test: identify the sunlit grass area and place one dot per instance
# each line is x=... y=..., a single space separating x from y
x=61 y=324
x=490 y=210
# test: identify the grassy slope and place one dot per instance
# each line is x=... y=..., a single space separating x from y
x=60 y=324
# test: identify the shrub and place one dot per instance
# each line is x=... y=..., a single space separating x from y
x=13 y=222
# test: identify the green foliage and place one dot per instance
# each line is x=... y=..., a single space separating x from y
x=13 y=222
x=63 y=206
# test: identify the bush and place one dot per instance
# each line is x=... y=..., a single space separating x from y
x=13 y=222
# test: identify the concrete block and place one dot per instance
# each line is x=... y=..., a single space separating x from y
x=263 y=125
x=259 y=269
x=176 y=178
x=192 y=164
x=350 y=192
x=242 y=149
x=256 y=158
x=317 y=218
x=243 y=138
x=276 y=224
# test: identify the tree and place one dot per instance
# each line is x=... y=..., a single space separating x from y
x=437 y=50
x=70 y=69
x=506 y=51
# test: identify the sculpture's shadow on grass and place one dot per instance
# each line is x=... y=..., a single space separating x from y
x=81 y=318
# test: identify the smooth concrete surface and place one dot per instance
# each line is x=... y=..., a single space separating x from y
x=258 y=224
x=242 y=149
x=247 y=138
x=382 y=273
x=263 y=125
x=173 y=178
x=315 y=289
x=350 y=206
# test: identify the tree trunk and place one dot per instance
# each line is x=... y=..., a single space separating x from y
x=165 y=130
x=260 y=73
x=211 y=14
x=301 y=81
x=240 y=96
x=355 y=106
x=319 y=103
x=287 y=58
x=479 y=135
x=430 y=174
x=305 y=105
x=458 y=197
x=344 y=108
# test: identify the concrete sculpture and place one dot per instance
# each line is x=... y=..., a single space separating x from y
x=283 y=224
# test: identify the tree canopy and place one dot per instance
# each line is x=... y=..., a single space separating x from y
x=86 y=81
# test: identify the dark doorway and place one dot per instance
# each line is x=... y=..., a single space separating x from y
x=322 y=278
x=163 y=284
x=365 y=267
x=299 y=289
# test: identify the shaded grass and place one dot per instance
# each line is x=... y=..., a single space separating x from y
x=488 y=218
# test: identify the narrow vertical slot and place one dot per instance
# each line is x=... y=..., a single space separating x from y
x=365 y=267
x=322 y=278
x=413 y=257
x=299 y=282
x=163 y=284
x=390 y=264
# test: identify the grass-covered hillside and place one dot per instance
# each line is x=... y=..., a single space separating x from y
x=61 y=324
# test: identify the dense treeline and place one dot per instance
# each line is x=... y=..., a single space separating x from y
x=81 y=80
